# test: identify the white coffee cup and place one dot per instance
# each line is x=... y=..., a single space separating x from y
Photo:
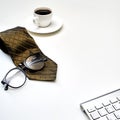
x=42 y=16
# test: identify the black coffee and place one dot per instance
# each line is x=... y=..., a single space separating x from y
x=42 y=12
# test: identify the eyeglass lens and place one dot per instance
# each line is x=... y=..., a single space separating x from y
x=15 y=78
x=35 y=62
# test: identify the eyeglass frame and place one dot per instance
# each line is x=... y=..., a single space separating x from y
x=22 y=67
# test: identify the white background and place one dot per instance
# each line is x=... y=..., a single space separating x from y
x=86 y=49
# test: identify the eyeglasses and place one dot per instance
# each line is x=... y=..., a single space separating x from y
x=16 y=77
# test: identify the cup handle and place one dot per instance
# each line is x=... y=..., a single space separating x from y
x=34 y=19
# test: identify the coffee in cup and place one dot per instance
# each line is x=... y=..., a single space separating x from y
x=42 y=16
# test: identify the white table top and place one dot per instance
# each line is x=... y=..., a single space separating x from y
x=86 y=49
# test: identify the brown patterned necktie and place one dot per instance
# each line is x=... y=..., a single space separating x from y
x=17 y=43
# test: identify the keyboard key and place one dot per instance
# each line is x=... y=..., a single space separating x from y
x=103 y=118
x=106 y=103
x=111 y=117
x=110 y=109
x=118 y=97
x=95 y=115
x=113 y=100
x=91 y=109
x=116 y=106
x=117 y=114
x=102 y=112
x=98 y=106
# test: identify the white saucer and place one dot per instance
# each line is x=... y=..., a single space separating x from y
x=55 y=25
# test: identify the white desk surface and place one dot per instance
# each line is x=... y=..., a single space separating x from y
x=86 y=49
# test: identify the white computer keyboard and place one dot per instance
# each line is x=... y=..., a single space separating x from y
x=105 y=107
